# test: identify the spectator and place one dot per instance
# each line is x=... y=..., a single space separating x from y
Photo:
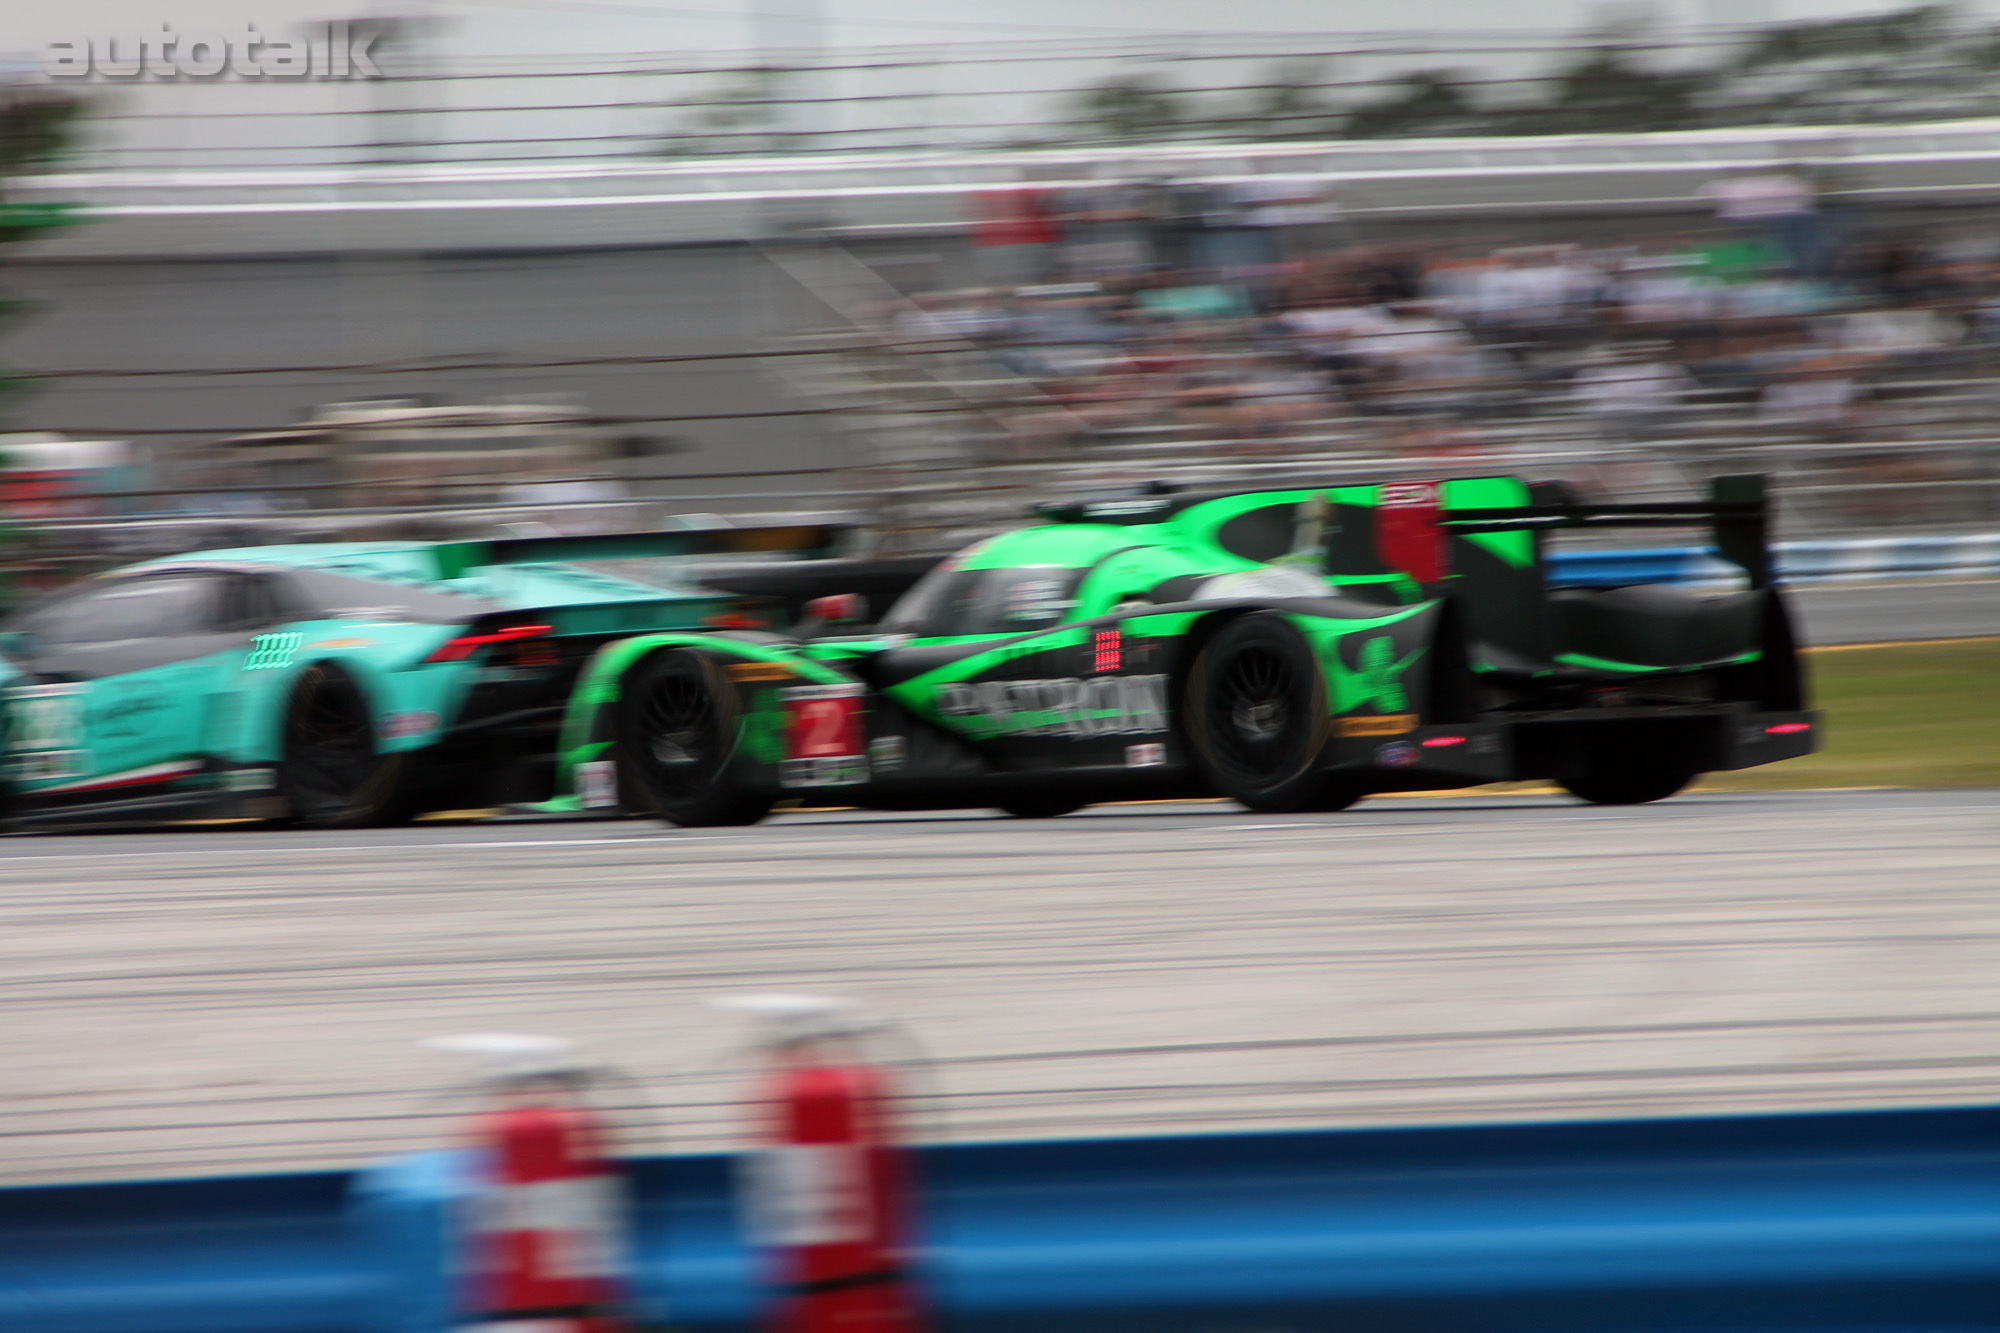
x=1635 y=394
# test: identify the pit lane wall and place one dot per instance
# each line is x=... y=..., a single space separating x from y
x=1871 y=1220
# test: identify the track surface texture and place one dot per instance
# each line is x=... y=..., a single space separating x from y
x=221 y=1001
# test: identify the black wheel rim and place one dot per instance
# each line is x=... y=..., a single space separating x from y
x=680 y=746
x=1258 y=715
x=329 y=746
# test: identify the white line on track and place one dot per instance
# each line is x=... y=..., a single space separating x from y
x=267 y=850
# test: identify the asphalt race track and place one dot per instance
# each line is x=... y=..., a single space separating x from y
x=246 y=999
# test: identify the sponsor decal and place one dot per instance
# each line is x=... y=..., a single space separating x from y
x=134 y=777
x=1393 y=725
x=886 y=753
x=249 y=779
x=123 y=715
x=1066 y=706
x=1149 y=755
x=823 y=741
x=1787 y=728
x=597 y=784
x=399 y=726
x=1035 y=602
x=1396 y=754
x=344 y=643
x=756 y=671
x=1407 y=535
x=45 y=734
x=1379 y=674
x=1440 y=742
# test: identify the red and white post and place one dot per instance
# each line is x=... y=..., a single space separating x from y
x=830 y=1187
x=545 y=1241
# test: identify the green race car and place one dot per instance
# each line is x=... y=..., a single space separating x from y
x=334 y=684
x=1293 y=650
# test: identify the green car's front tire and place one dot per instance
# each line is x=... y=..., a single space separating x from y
x=331 y=774
x=678 y=718
x=1256 y=715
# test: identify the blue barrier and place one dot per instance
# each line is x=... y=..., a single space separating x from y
x=251 y=1254
x=1853 y=1221
x=1976 y=556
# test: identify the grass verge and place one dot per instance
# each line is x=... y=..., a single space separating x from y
x=1897 y=715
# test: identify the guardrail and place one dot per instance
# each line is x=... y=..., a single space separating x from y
x=1957 y=556
x=1856 y=1220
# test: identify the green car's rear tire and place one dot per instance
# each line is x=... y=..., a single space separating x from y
x=1632 y=782
x=678 y=719
x=1255 y=710
x=1335 y=795
x=330 y=773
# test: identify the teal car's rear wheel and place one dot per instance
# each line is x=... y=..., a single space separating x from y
x=1256 y=715
x=331 y=774
x=678 y=718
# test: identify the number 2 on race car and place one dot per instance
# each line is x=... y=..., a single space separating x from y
x=823 y=735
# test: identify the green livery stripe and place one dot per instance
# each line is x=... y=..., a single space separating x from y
x=1589 y=663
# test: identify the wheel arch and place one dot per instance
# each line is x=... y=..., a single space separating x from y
x=589 y=725
x=380 y=692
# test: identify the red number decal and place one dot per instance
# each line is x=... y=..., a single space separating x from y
x=827 y=727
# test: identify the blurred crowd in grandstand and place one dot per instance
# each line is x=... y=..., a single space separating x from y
x=1249 y=316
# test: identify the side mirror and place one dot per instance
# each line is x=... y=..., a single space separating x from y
x=842 y=608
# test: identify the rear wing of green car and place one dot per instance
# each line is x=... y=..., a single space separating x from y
x=1737 y=511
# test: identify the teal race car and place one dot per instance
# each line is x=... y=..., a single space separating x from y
x=1293 y=650
x=332 y=684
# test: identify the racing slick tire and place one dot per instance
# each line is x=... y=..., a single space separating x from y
x=678 y=718
x=1335 y=795
x=1627 y=783
x=1040 y=805
x=1255 y=709
x=329 y=772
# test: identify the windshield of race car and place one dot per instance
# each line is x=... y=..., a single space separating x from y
x=949 y=602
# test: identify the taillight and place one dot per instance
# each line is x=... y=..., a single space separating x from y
x=465 y=645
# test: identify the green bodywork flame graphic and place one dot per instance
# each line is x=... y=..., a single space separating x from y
x=1379 y=674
